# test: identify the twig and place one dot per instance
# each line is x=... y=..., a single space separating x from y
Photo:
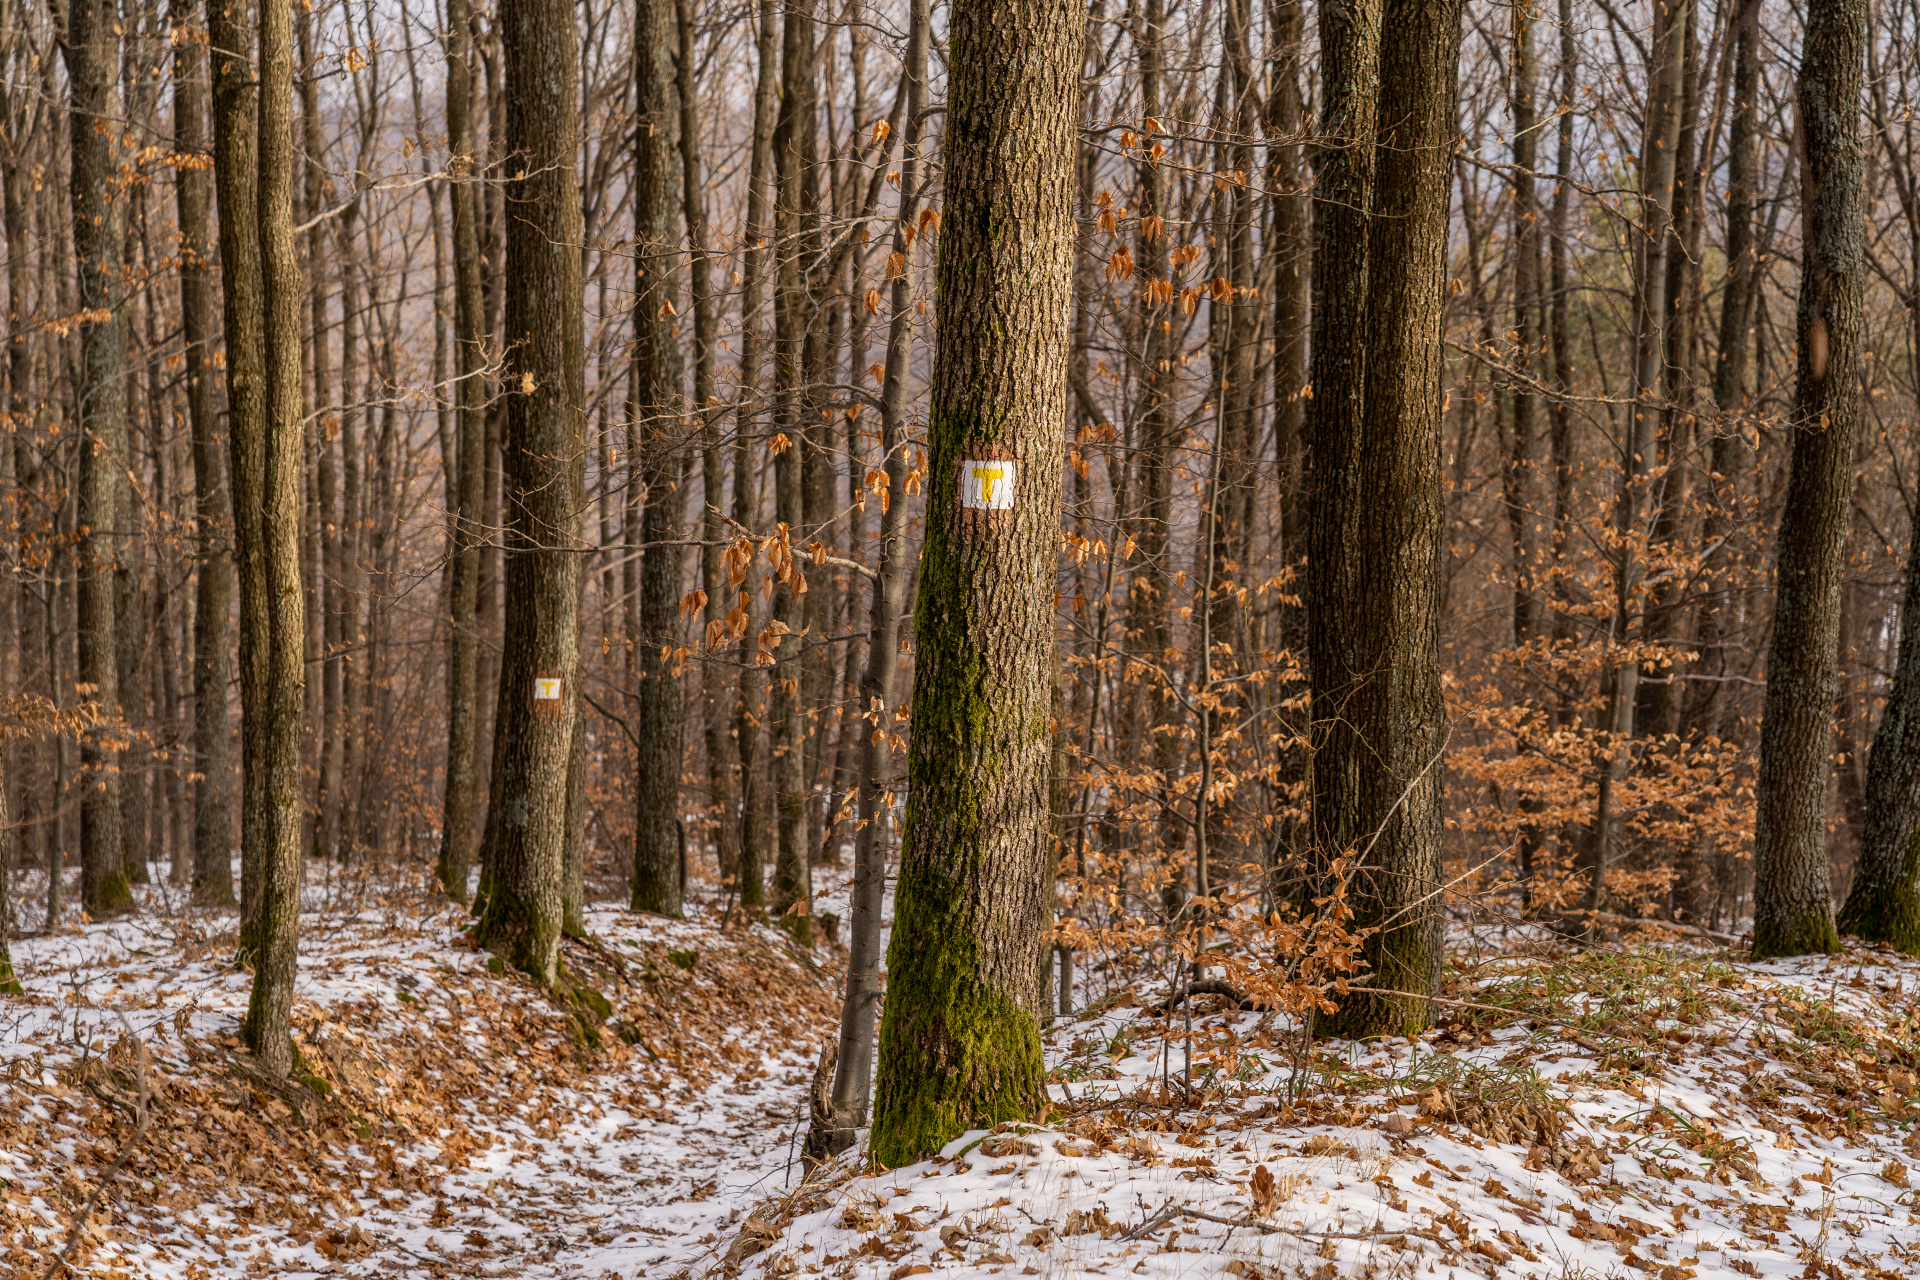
x=145 y=1116
x=1270 y=1228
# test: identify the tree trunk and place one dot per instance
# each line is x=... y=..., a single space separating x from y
x=959 y=1040
x=212 y=877
x=542 y=456
x=657 y=405
x=853 y=1069
x=470 y=397
x=99 y=227
x=706 y=332
x=1652 y=244
x=1792 y=904
x=746 y=724
x=270 y=1008
x=235 y=145
x=1374 y=572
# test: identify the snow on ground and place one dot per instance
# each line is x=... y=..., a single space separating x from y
x=1649 y=1113
x=455 y=1121
x=1636 y=1113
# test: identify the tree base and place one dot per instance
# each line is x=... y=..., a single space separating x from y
x=957 y=1066
x=1809 y=933
x=110 y=896
x=1892 y=918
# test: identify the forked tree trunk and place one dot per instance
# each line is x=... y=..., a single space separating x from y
x=542 y=456
x=99 y=225
x=1374 y=571
x=1792 y=885
x=270 y=1008
x=959 y=1037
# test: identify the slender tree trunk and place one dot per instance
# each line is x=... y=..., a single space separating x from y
x=542 y=455
x=99 y=228
x=212 y=878
x=746 y=724
x=235 y=146
x=1374 y=572
x=657 y=406
x=794 y=321
x=853 y=1069
x=706 y=330
x=457 y=826
x=1652 y=244
x=959 y=1037
x=1792 y=904
x=1525 y=247
x=270 y=1009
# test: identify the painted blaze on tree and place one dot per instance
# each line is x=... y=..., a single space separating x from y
x=959 y=1040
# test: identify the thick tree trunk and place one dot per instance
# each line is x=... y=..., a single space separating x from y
x=235 y=146
x=1792 y=904
x=457 y=826
x=270 y=1008
x=1374 y=571
x=959 y=1039
x=1883 y=904
x=542 y=455
x=212 y=877
x=657 y=405
x=99 y=226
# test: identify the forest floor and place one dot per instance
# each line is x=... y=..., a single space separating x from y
x=1640 y=1112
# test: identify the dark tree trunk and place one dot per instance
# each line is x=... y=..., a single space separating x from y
x=542 y=455
x=1374 y=571
x=1792 y=903
x=959 y=1039
x=99 y=226
x=212 y=878
x=235 y=147
x=270 y=1009
x=656 y=408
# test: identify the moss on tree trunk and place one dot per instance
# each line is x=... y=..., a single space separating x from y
x=959 y=1039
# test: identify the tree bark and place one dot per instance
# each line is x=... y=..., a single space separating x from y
x=656 y=408
x=235 y=142
x=853 y=1069
x=212 y=876
x=1374 y=571
x=457 y=826
x=542 y=454
x=270 y=1007
x=959 y=1039
x=92 y=52
x=1792 y=903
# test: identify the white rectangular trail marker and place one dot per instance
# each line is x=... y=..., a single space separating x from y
x=987 y=486
x=546 y=688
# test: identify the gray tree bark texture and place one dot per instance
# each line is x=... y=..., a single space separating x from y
x=1792 y=882
x=270 y=1007
x=542 y=456
x=1376 y=512
x=959 y=1036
